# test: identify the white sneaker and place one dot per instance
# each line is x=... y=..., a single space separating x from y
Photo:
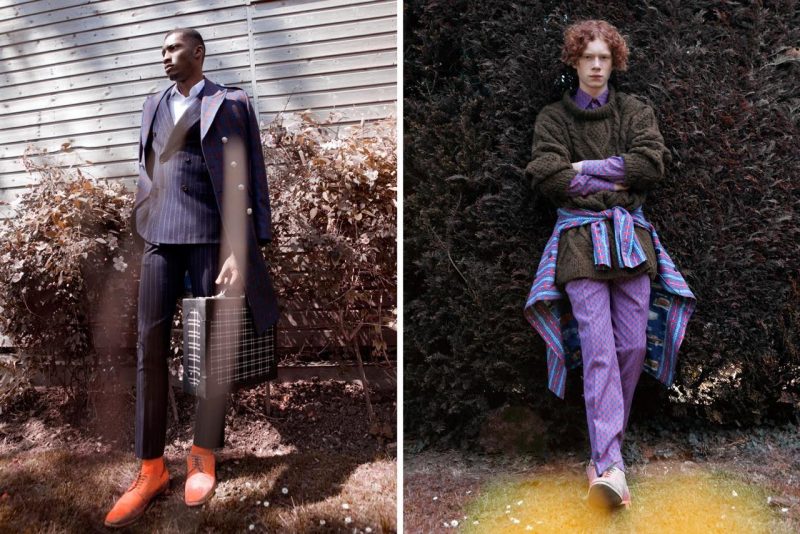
x=610 y=489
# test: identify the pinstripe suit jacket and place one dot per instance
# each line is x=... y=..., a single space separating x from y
x=231 y=146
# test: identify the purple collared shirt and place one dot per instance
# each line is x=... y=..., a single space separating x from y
x=596 y=174
x=584 y=100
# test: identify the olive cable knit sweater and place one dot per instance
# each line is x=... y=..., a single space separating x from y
x=565 y=133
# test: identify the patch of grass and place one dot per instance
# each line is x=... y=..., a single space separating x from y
x=669 y=500
x=60 y=491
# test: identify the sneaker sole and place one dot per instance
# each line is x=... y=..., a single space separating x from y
x=162 y=491
x=602 y=495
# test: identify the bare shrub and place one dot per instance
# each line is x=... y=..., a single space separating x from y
x=57 y=256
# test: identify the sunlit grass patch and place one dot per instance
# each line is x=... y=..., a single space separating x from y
x=666 y=500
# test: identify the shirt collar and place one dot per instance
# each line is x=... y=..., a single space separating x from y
x=193 y=92
x=583 y=99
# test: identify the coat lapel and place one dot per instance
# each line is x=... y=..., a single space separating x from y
x=213 y=96
x=149 y=112
x=177 y=137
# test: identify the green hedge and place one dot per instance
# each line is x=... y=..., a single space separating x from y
x=722 y=78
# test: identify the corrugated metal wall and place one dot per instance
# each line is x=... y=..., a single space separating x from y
x=74 y=73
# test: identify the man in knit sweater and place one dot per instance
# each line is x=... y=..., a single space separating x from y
x=596 y=154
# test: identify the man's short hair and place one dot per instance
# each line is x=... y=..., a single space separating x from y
x=578 y=35
x=191 y=34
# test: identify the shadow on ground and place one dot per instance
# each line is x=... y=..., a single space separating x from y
x=311 y=466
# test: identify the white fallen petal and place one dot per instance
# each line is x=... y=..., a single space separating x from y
x=454 y=523
x=284 y=490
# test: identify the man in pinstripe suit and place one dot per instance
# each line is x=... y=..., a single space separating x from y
x=202 y=201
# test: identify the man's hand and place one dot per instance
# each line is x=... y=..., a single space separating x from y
x=229 y=274
x=578 y=166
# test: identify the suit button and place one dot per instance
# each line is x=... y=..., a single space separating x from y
x=224 y=140
x=188 y=160
x=234 y=164
x=240 y=187
x=249 y=211
x=155 y=134
x=185 y=188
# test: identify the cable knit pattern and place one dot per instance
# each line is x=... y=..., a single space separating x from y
x=565 y=133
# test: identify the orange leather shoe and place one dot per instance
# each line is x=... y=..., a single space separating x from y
x=153 y=480
x=201 y=479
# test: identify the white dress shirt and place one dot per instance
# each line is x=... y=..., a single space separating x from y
x=180 y=103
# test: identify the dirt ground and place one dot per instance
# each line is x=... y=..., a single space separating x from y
x=681 y=481
x=313 y=465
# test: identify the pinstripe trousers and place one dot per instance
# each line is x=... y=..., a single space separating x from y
x=162 y=282
x=612 y=326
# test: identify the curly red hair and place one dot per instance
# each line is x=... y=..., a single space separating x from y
x=578 y=35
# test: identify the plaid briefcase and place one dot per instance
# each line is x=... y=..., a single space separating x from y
x=221 y=350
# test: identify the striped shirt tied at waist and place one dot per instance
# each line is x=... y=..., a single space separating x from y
x=548 y=310
x=629 y=251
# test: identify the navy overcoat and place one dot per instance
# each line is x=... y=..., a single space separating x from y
x=231 y=146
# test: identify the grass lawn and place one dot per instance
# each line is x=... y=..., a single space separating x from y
x=729 y=481
x=311 y=466
x=59 y=491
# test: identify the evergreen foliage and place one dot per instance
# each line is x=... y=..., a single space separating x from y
x=722 y=79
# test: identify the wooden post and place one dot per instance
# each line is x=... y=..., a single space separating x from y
x=364 y=383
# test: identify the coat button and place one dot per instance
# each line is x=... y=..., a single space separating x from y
x=188 y=160
x=224 y=140
x=234 y=164
x=249 y=211
x=240 y=187
x=185 y=188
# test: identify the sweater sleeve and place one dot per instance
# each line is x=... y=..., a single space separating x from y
x=644 y=159
x=550 y=167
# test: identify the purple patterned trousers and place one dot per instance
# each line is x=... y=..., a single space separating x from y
x=612 y=326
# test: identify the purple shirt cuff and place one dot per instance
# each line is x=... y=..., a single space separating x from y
x=612 y=169
x=583 y=185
